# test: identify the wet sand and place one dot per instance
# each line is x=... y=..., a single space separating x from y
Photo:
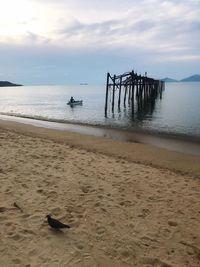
x=128 y=204
x=184 y=144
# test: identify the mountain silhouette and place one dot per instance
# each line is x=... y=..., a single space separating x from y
x=193 y=78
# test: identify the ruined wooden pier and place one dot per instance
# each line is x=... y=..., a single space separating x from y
x=135 y=89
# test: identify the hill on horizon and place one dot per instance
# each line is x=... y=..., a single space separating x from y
x=168 y=80
x=6 y=83
x=193 y=78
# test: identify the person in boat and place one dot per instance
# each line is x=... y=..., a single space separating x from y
x=72 y=99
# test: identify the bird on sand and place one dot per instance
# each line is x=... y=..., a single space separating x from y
x=55 y=223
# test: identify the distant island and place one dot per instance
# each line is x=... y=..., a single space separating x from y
x=193 y=78
x=169 y=80
x=6 y=83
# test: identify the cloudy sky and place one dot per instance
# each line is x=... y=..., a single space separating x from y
x=73 y=41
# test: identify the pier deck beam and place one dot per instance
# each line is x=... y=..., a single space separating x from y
x=140 y=89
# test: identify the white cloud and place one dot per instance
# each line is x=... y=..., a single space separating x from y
x=140 y=30
x=147 y=24
x=181 y=58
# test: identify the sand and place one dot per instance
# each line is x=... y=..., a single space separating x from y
x=127 y=204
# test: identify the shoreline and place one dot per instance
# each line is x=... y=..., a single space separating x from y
x=178 y=143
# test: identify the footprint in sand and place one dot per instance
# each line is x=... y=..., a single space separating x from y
x=16 y=261
x=9 y=190
x=55 y=210
x=154 y=262
x=144 y=213
x=80 y=246
x=87 y=189
x=100 y=230
x=3 y=209
x=15 y=236
x=97 y=204
x=40 y=191
x=24 y=185
x=128 y=203
x=125 y=253
x=172 y=223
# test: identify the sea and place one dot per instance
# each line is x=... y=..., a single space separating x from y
x=177 y=113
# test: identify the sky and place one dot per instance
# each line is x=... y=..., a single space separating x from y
x=74 y=41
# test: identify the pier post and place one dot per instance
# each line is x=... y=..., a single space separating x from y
x=107 y=86
x=120 y=88
x=125 y=95
x=113 y=96
x=132 y=93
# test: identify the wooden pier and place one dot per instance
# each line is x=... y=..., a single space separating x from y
x=134 y=89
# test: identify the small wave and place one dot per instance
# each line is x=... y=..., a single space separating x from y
x=19 y=115
x=42 y=118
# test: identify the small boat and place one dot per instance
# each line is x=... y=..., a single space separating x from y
x=75 y=102
x=83 y=83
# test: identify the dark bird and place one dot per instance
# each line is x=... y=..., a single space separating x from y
x=55 y=223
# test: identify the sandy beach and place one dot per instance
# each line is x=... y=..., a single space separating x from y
x=128 y=204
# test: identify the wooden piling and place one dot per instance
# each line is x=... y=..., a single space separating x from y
x=132 y=89
x=120 y=88
x=125 y=96
x=107 y=86
x=140 y=89
x=113 y=96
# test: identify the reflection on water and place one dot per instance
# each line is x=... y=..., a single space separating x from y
x=143 y=110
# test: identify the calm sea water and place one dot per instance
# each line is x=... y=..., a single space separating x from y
x=178 y=112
